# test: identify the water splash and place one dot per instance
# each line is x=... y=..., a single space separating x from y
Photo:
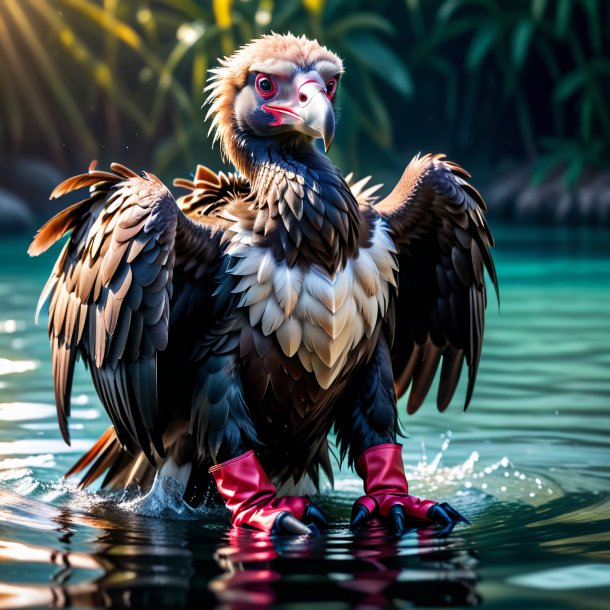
x=500 y=479
x=164 y=500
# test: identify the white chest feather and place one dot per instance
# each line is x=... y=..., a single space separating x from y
x=313 y=315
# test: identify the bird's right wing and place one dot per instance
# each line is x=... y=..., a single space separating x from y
x=436 y=220
x=111 y=288
x=363 y=192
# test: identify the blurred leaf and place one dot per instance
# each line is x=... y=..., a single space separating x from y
x=538 y=8
x=574 y=171
x=381 y=60
x=445 y=12
x=314 y=6
x=449 y=7
x=190 y=9
x=451 y=79
x=284 y=14
x=562 y=18
x=8 y=95
x=100 y=71
x=365 y=21
x=199 y=72
x=222 y=13
x=569 y=84
x=521 y=39
x=51 y=75
x=28 y=89
x=595 y=24
x=586 y=116
x=374 y=119
x=600 y=103
x=543 y=167
x=107 y=21
x=548 y=57
x=482 y=44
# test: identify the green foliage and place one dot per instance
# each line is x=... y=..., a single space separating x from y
x=480 y=79
x=51 y=83
x=548 y=57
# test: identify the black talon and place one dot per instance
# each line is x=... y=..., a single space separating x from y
x=289 y=524
x=397 y=516
x=454 y=514
x=313 y=529
x=445 y=530
x=360 y=515
x=314 y=515
x=445 y=514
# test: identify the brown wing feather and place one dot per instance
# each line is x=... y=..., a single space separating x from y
x=110 y=293
x=444 y=243
x=363 y=192
x=213 y=198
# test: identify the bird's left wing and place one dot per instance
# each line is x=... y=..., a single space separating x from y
x=443 y=241
x=111 y=292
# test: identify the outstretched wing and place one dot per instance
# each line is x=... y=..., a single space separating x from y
x=110 y=292
x=443 y=243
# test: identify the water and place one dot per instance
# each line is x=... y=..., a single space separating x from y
x=528 y=463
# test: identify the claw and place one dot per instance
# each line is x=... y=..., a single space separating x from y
x=360 y=515
x=444 y=531
x=445 y=514
x=314 y=516
x=289 y=524
x=397 y=516
x=454 y=514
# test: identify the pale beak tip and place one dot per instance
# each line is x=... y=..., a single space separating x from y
x=328 y=136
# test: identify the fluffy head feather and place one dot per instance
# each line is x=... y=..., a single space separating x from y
x=232 y=73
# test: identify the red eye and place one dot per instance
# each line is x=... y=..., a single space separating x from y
x=265 y=86
x=331 y=88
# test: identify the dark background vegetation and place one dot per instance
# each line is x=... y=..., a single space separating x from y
x=518 y=91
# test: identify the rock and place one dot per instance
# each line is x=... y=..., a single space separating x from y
x=502 y=192
x=538 y=203
x=595 y=198
x=15 y=215
x=32 y=180
x=512 y=195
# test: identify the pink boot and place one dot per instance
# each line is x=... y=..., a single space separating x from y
x=387 y=492
x=251 y=497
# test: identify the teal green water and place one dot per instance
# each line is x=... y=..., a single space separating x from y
x=529 y=463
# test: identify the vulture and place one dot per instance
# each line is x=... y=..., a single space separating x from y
x=230 y=332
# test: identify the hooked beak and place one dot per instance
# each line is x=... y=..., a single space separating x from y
x=312 y=115
x=317 y=113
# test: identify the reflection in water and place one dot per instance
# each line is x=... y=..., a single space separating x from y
x=368 y=570
x=153 y=562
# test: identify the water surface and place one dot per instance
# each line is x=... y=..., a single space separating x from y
x=528 y=463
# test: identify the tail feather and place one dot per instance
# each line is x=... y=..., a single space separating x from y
x=122 y=469
x=104 y=453
x=105 y=458
x=107 y=440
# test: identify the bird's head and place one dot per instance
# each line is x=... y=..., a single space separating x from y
x=278 y=88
